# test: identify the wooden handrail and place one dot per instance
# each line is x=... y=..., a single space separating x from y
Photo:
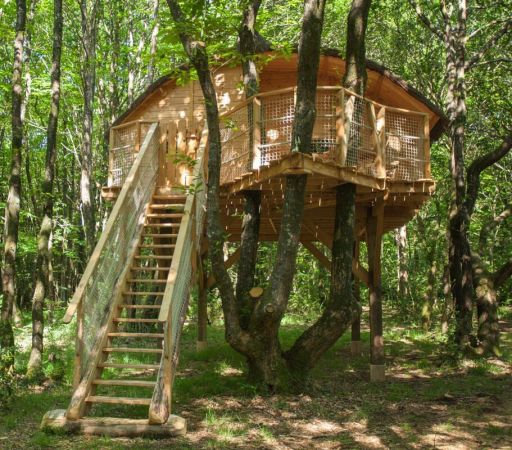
x=109 y=229
x=131 y=122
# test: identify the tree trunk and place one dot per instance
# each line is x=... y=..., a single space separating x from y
x=154 y=38
x=42 y=285
x=89 y=28
x=12 y=209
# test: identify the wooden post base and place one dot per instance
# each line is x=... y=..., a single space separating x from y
x=377 y=372
x=201 y=345
x=112 y=426
x=356 y=348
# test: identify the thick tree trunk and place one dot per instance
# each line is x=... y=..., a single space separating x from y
x=487 y=308
x=154 y=39
x=12 y=208
x=42 y=285
x=89 y=29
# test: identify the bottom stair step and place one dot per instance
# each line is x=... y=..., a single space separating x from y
x=129 y=366
x=118 y=400
x=131 y=383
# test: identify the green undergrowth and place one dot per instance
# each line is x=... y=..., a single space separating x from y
x=428 y=391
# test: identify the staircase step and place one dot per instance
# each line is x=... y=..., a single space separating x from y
x=149 y=269
x=118 y=400
x=132 y=383
x=128 y=366
x=148 y=280
x=130 y=320
x=164 y=215
x=132 y=350
x=170 y=197
x=157 y=245
x=160 y=236
x=142 y=293
x=178 y=206
x=163 y=225
x=136 y=335
x=153 y=257
x=126 y=306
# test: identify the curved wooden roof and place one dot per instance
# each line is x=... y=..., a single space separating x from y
x=383 y=86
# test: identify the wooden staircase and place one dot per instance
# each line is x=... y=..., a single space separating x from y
x=131 y=356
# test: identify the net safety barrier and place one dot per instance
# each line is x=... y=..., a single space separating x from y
x=259 y=132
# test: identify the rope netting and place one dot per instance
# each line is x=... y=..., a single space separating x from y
x=404 y=146
x=403 y=132
x=122 y=230
x=125 y=143
x=236 y=135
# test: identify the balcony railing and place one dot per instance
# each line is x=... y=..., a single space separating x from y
x=350 y=131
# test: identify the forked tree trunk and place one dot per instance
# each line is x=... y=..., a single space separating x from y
x=42 y=285
x=12 y=208
x=342 y=307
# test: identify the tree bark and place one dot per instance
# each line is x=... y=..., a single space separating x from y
x=154 y=41
x=88 y=10
x=12 y=209
x=42 y=284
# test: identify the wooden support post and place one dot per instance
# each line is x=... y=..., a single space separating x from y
x=138 y=137
x=79 y=344
x=355 y=343
x=426 y=147
x=110 y=181
x=255 y=162
x=341 y=141
x=380 y=142
x=374 y=231
x=202 y=305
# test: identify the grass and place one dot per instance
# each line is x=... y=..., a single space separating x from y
x=431 y=399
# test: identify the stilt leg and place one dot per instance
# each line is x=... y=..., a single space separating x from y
x=355 y=344
x=374 y=229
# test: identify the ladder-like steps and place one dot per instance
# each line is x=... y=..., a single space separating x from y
x=136 y=335
x=160 y=236
x=128 y=320
x=148 y=268
x=142 y=293
x=164 y=215
x=149 y=280
x=129 y=366
x=153 y=257
x=130 y=383
x=126 y=306
x=178 y=206
x=163 y=225
x=157 y=351
x=157 y=245
x=118 y=400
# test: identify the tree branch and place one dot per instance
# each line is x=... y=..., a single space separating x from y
x=478 y=166
x=486 y=229
x=488 y=45
x=502 y=274
x=425 y=20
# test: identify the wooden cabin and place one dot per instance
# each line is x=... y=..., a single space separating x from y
x=134 y=293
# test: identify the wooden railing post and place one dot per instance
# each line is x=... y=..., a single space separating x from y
x=426 y=147
x=110 y=181
x=256 y=133
x=79 y=344
x=138 y=137
x=341 y=143
x=379 y=123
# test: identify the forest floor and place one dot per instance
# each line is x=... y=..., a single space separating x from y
x=429 y=400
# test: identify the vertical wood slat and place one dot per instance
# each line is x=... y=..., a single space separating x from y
x=426 y=147
x=256 y=133
x=79 y=344
x=138 y=137
x=341 y=143
x=380 y=129
x=110 y=181
x=374 y=232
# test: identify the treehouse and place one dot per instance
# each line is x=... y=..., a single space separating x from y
x=131 y=302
